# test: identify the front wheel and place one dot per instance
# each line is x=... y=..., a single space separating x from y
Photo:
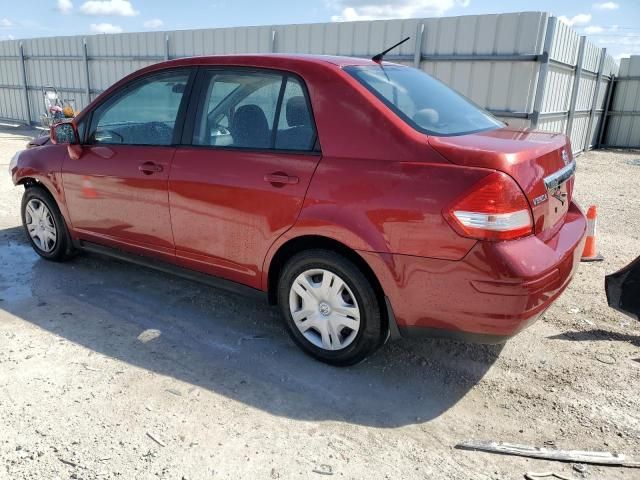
x=44 y=225
x=330 y=307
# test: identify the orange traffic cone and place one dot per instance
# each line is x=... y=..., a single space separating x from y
x=87 y=188
x=590 y=254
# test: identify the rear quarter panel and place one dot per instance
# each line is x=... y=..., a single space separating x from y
x=387 y=206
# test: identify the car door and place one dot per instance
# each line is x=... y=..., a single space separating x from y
x=241 y=181
x=116 y=191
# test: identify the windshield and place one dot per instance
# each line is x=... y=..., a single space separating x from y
x=425 y=103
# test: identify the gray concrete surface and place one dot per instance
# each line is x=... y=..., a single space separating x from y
x=98 y=358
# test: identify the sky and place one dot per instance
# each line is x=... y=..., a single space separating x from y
x=611 y=24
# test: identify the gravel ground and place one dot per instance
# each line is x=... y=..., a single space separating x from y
x=109 y=370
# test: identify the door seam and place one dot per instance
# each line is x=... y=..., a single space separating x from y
x=304 y=198
x=173 y=237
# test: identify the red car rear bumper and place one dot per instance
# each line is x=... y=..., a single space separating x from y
x=495 y=291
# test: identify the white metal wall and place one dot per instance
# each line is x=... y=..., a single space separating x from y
x=579 y=75
x=521 y=66
x=623 y=126
x=12 y=104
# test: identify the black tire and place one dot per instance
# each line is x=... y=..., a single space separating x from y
x=370 y=334
x=62 y=248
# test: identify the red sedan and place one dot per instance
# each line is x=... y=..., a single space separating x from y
x=366 y=199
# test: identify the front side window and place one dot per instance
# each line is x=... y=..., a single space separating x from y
x=250 y=109
x=145 y=113
x=425 y=103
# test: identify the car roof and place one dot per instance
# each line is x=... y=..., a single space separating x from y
x=262 y=60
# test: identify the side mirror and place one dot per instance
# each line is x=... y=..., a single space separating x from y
x=67 y=133
x=64 y=133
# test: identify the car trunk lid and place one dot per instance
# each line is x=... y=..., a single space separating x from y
x=540 y=162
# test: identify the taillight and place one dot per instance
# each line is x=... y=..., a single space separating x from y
x=493 y=209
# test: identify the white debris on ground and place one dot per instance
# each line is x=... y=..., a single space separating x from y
x=112 y=371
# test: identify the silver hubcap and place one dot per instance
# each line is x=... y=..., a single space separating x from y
x=40 y=225
x=324 y=309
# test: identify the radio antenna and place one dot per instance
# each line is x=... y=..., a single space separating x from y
x=378 y=57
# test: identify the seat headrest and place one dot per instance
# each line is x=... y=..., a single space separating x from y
x=297 y=112
x=249 y=113
x=249 y=127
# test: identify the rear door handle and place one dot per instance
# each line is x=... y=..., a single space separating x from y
x=281 y=178
x=149 y=167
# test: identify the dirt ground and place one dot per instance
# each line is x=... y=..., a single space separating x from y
x=113 y=371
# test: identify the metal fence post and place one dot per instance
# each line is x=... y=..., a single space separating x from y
x=594 y=100
x=87 y=76
x=273 y=42
x=576 y=86
x=166 y=46
x=544 y=71
x=605 y=112
x=24 y=84
x=417 y=53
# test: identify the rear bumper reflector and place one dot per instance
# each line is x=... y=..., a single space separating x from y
x=499 y=222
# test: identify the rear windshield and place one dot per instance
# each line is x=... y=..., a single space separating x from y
x=423 y=102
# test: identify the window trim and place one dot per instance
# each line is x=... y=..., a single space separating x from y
x=276 y=117
x=350 y=69
x=121 y=91
x=197 y=99
x=250 y=150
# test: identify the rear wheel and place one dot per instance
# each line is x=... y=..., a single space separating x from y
x=330 y=307
x=44 y=225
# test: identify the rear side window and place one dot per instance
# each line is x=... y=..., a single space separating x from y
x=238 y=110
x=145 y=113
x=254 y=110
x=425 y=103
x=295 y=125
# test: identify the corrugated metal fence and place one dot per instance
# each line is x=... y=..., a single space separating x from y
x=578 y=78
x=527 y=68
x=623 y=125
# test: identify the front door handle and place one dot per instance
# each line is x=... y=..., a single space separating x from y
x=149 y=167
x=281 y=178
